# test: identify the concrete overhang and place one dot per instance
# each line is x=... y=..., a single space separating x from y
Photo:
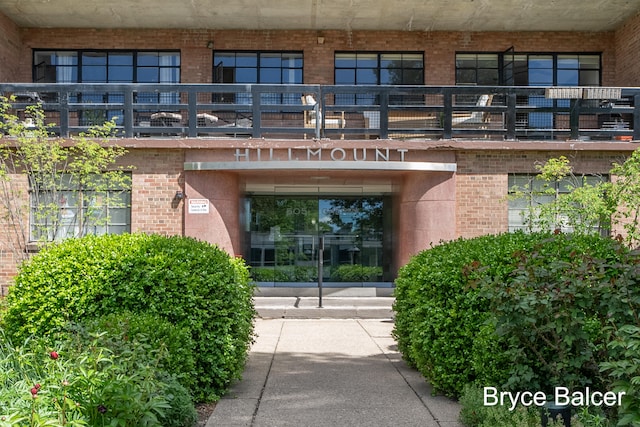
x=318 y=15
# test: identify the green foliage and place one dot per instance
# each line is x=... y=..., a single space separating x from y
x=285 y=273
x=439 y=312
x=625 y=369
x=474 y=413
x=355 y=273
x=64 y=383
x=560 y=199
x=145 y=336
x=625 y=193
x=192 y=285
x=553 y=309
x=72 y=184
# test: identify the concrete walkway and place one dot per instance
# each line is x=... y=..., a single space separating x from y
x=330 y=372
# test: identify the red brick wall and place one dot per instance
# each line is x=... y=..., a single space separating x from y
x=11 y=50
x=157 y=176
x=439 y=47
x=11 y=251
x=482 y=183
x=627 y=48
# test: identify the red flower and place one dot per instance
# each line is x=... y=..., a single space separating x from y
x=54 y=355
x=34 y=391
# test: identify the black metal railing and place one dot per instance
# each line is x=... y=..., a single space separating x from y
x=297 y=111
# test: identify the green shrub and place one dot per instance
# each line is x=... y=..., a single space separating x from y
x=147 y=336
x=193 y=285
x=554 y=309
x=439 y=313
x=286 y=273
x=355 y=273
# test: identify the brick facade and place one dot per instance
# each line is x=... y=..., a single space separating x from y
x=482 y=183
x=10 y=50
x=474 y=195
x=627 y=45
x=439 y=47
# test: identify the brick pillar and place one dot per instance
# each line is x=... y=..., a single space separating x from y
x=221 y=225
x=427 y=212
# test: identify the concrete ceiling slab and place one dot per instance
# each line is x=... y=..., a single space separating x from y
x=409 y=15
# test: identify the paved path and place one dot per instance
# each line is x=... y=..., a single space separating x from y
x=330 y=372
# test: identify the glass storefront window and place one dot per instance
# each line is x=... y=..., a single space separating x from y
x=284 y=236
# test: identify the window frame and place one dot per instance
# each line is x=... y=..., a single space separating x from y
x=555 y=57
x=69 y=191
x=523 y=205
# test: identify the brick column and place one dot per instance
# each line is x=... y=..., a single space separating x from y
x=427 y=212
x=221 y=225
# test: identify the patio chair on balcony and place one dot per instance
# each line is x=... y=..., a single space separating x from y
x=475 y=118
x=168 y=120
x=334 y=121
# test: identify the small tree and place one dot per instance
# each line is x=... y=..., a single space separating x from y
x=72 y=183
x=558 y=198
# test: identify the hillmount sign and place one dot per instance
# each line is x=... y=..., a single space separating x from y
x=310 y=158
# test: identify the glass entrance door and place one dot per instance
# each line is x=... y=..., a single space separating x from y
x=284 y=231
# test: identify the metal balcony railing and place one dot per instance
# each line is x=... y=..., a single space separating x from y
x=351 y=112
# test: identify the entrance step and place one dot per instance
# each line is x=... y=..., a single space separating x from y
x=332 y=307
x=308 y=291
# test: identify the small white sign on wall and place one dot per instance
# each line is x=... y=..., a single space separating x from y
x=198 y=206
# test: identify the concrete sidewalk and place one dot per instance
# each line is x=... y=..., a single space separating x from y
x=330 y=372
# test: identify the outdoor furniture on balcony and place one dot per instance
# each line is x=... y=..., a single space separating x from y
x=474 y=118
x=335 y=121
x=385 y=111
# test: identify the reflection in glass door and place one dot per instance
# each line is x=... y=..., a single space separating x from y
x=283 y=235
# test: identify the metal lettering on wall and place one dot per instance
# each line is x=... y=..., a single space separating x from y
x=337 y=158
x=320 y=154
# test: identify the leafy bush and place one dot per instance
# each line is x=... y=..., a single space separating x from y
x=554 y=309
x=86 y=385
x=286 y=273
x=625 y=369
x=193 y=285
x=439 y=312
x=355 y=273
x=145 y=336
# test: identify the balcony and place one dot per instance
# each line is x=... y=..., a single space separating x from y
x=337 y=112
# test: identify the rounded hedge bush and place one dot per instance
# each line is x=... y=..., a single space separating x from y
x=444 y=327
x=193 y=285
x=439 y=316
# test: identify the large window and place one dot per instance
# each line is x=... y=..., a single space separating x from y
x=370 y=68
x=376 y=68
x=528 y=69
x=93 y=66
x=85 y=66
x=283 y=237
x=258 y=67
x=477 y=69
x=70 y=211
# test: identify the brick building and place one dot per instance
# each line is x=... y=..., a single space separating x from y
x=422 y=116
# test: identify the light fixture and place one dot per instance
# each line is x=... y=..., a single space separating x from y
x=179 y=195
x=210 y=44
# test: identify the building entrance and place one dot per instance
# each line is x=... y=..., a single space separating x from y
x=283 y=234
